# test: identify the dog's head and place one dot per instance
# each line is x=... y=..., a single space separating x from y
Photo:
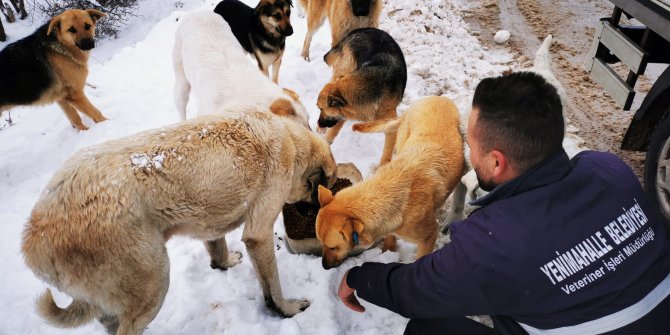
x=321 y=170
x=290 y=107
x=275 y=16
x=76 y=28
x=331 y=103
x=338 y=229
x=361 y=7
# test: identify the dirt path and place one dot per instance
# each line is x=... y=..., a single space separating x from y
x=601 y=122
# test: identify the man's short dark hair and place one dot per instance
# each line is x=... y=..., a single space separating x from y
x=521 y=115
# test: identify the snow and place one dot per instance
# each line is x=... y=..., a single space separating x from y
x=501 y=36
x=133 y=82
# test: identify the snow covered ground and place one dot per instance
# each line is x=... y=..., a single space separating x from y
x=133 y=82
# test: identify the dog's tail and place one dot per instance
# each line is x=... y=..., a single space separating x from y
x=378 y=126
x=78 y=313
x=542 y=56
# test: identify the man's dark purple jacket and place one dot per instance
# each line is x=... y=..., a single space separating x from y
x=510 y=257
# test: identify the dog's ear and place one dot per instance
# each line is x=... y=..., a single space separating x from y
x=325 y=196
x=359 y=235
x=95 y=14
x=262 y=8
x=336 y=100
x=282 y=107
x=54 y=25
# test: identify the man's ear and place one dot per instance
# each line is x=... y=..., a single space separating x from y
x=54 y=25
x=325 y=196
x=502 y=169
x=95 y=14
x=336 y=100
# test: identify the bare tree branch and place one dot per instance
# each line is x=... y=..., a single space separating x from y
x=7 y=12
x=3 y=36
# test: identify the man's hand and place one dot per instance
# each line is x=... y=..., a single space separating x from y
x=347 y=296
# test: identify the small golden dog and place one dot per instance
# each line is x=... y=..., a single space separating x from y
x=401 y=198
x=344 y=17
x=98 y=231
x=50 y=65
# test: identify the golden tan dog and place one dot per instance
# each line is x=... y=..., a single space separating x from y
x=344 y=17
x=98 y=231
x=51 y=66
x=402 y=196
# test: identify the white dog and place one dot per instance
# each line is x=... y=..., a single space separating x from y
x=469 y=183
x=208 y=58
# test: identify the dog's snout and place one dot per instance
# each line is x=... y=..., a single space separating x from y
x=86 y=44
x=325 y=265
x=361 y=11
x=288 y=31
x=326 y=122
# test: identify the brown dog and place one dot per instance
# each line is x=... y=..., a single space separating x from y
x=51 y=66
x=344 y=17
x=401 y=198
x=98 y=231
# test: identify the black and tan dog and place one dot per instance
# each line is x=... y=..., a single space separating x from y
x=369 y=78
x=261 y=31
x=50 y=65
x=344 y=16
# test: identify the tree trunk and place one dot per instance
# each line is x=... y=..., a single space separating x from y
x=7 y=11
x=19 y=8
x=22 y=9
x=3 y=36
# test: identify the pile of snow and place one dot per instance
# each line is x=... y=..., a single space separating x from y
x=133 y=82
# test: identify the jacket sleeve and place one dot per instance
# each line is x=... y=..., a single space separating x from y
x=440 y=284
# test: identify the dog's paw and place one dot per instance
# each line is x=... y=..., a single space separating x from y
x=290 y=308
x=321 y=130
x=234 y=258
x=305 y=56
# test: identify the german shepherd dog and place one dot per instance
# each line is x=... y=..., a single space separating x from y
x=50 y=65
x=369 y=78
x=261 y=31
x=344 y=16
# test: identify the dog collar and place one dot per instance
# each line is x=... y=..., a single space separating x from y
x=355 y=237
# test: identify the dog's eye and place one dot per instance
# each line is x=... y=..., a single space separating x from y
x=87 y=26
x=277 y=16
x=72 y=30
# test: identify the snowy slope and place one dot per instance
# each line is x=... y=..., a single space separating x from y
x=133 y=80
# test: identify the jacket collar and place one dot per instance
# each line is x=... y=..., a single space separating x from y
x=549 y=171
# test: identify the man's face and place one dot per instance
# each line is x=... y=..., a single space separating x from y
x=482 y=162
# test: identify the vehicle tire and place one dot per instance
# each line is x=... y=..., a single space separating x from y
x=657 y=169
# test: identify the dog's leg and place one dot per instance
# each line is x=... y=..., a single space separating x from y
x=81 y=102
x=315 y=18
x=143 y=297
x=426 y=245
x=390 y=243
x=111 y=323
x=332 y=132
x=389 y=145
x=275 y=68
x=72 y=115
x=218 y=253
x=457 y=205
x=257 y=237
x=182 y=89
